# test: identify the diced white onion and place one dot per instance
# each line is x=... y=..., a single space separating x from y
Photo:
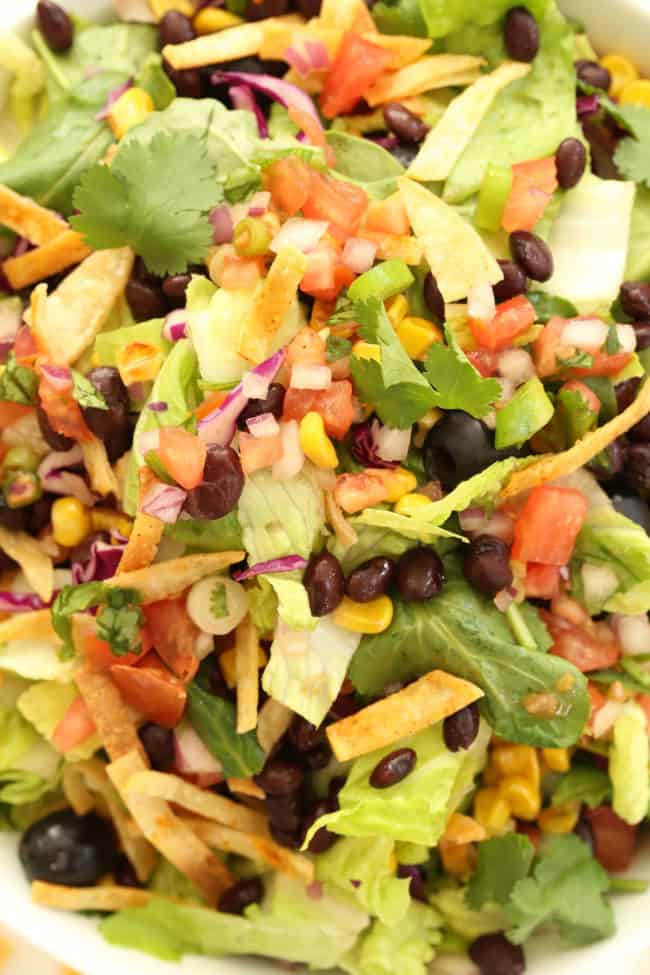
x=359 y=255
x=599 y=582
x=293 y=458
x=255 y=386
x=311 y=377
x=263 y=426
x=633 y=633
x=472 y=520
x=480 y=303
x=500 y=526
x=391 y=442
x=508 y=389
x=626 y=337
x=191 y=756
x=516 y=365
x=302 y=234
x=605 y=718
x=199 y=605
x=588 y=334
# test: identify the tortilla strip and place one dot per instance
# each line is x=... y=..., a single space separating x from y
x=247 y=647
x=423 y=703
x=27 y=218
x=241 y=41
x=278 y=37
x=335 y=518
x=551 y=466
x=77 y=310
x=169 y=834
x=272 y=722
x=246 y=787
x=167 y=579
x=208 y=805
x=98 y=466
x=109 y=898
x=29 y=554
x=115 y=725
x=75 y=790
x=434 y=71
x=346 y=15
x=48 y=259
x=28 y=626
x=140 y=14
x=394 y=246
x=254 y=848
x=146 y=532
x=278 y=293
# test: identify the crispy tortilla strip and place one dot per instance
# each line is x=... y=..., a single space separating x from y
x=549 y=467
x=115 y=725
x=76 y=311
x=254 y=848
x=347 y=15
x=272 y=722
x=335 y=518
x=445 y=143
x=27 y=219
x=280 y=36
x=168 y=834
x=434 y=71
x=98 y=466
x=278 y=293
x=109 y=898
x=463 y=829
x=246 y=787
x=48 y=259
x=26 y=626
x=227 y=45
x=208 y=805
x=389 y=246
x=454 y=250
x=427 y=701
x=166 y=579
x=146 y=533
x=76 y=791
x=29 y=554
x=247 y=646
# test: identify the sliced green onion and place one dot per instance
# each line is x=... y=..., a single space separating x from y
x=382 y=281
x=627 y=885
x=21 y=488
x=252 y=237
x=493 y=196
x=519 y=628
x=20 y=459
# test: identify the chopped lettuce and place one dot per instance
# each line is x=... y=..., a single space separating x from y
x=407 y=948
x=35 y=659
x=209 y=535
x=462 y=919
x=169 y=881
x=365 y=163
x=611 y=540
x=108 y=343
x=628 y=765
x=263 y=607
x=281 y=517
x=400 y=17
x=444 y=16
x=215 y=722
x=293 y=602
x=637 y=267
x=27 y=76
x=365 y=868
x=44 y=704
x=28 y=765
x=370 y=542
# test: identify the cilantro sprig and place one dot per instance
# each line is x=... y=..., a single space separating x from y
x=85 y=393
x=118 y=622
x=18 y=384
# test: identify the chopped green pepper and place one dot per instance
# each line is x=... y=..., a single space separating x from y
x=382 y=281
x=492 y=197
x=528 y=411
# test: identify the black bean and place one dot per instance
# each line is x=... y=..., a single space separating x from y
x=603 y=143
x=640 y=432
x=111 y=425
x=285 y=812
x=584 y=831
x=514 y=282
x=245 y=892
x=532 y=255
x=323 y=839
x=221 y=488
x=187 y=83
x=404 y=124
x=308 y=8
x=124 y=873
x=521 y=34
x=570 y=162
x=7 y=564
x=420 y=575
x=260 y=9
x=460 y=729
x=66 y=849
x=175 y=28
x=145 y=300
x=55 y=25
x=433 y=298
x=635 y=299
x=636 y=473
x=495 y=955
x=324 y=582
x=370 y=580
x=174 y=289
x=108 y=381
x=626 y=392
x=334 y=789
x=458 y=447
x=158 y=742
x=592 y=73
x=393 y=768
x=288 y=838
x=642 y=330
x=417 y=887
x=303 y=735
x=609 y=463
x=318 y=757
x=39 y=514
x=633 y=508
x=53 y=439
x=487 y=565
x=273 y=403
x=280 y=778
x=405 y=153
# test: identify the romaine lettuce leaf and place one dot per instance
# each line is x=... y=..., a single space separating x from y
x=628 y=765
x=44 y=705
x=444 y=16
x=407 y=947
x=365 y=163
x=293 y=601
x=108 y=343
x=638 y=249
x=370 y=542
x=28 y=765
x=215 y=722
x=27 y=76
x=365 y=868
x=281 y=517
x=35 y=660
x=610 y=539
x=216 y=535
x=400 y=17
x=463 y=920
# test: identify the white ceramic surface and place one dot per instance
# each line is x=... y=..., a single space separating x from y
x=614 y=25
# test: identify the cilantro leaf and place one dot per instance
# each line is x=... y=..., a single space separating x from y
x=344 y=311
x=18 y=383
x=459 y=386
x=215 y=722
x=120 y=621
x=575 y=416
x=218 y=601
x=502 y=862
x=337 y=348
x=146 y=201
x=70 y=600
x=633 y=154
x=85 y=393
x=579 y=360
x=583 y=784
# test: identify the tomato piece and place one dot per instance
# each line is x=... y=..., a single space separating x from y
x=63 y=412
x=152 y=690
x=546 y=345
x=588 y=395
x=354 y=492
x=597 y=700
x=240 y=273
x=513 y=318
x=12 y=412
x=306 y=349
x=357 y=66
x=173 y=635
x=100 y=657
x=342 y=204
x=334 y=405
x=289 y=182
x=484 y=362
x=542 y=581
x=614 y=839
x=574 y=644
x=604 y=365
x=257 y=453
x=183 y=455
x=212 y=402
x=75 y=727
x=548 y=526
x=25 y=348
x=533 y=185
x=388 y=216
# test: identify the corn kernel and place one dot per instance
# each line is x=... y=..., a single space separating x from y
x=397 y=309
x=491 y=810
x=458 y=860
x=417 y=335
x=636 y=93
x=373 y=617
x=411 y=503
x=106 y=520
x=519 y=760
x=210 y=20
x=161 y=7
x=70 y=522
x=229 y=668
x=315 y=443
x=523 y=798
x=367 y=350
x=130 y=109
x=490 y=775
x=398 y=483
x=557 y=759
x=622 y=70
x=138 y=362
x=560 y=819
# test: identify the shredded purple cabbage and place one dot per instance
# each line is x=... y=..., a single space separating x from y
x=102 y=563
x=289 y=563
x=364 y=448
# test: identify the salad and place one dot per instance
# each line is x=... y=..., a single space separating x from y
x=325 y=467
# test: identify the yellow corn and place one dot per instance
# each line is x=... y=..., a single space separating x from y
x=461 y=830
x=138 y=362
x=426 y=423
x=70 y=522
x=622 y=70
x=397 y=309
x=417 y=335
x=459 y=860
x=523 y=798
x=315 y=443
x=392 y=863
x=636 y=93
x=106 y=520
x=559 y=819
x=130 y=109
x=491 y=810
x=210 y=20
x=161 y=7
x=490 y=775
x=519 y=760
x=411 y=503
x=367 y=350
x=557 y=759
x=373 y=617
x=398 y=483
x=228 y=665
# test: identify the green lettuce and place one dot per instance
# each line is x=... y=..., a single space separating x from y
x=365 y=868
x=170 y=882
x=638 y=249
x=293 y=601
x=108 y=343
x=444 y=16
x=263 y=607
x=154 y=79
x=611 y=540
x=28 y=765
x=281 y=518
x=215 y=722
x=407 y=947
x=584 y=784
x=216 y=535
x=400 y=17
x=35 y=660
x=44 y=704
x=366 y=164
x=628 y=765
x=28 y=76
x=370 y=542
x=462 y=919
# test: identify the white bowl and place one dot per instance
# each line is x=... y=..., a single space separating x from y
x=614 y=25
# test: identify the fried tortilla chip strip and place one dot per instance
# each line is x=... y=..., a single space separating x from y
x=272 y=722
x=166 y=579
x=258 y=848
x=278 y=293
x=29 y=554
x=28 y=219
x=28 y=626
x=427 y=74
x=242 y=41
x=100 y=473
x=114 y=723
x=109 y=898
x=247 y=647
x=246 y=787
x=56 y=255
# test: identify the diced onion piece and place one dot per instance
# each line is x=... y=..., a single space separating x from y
x=59 y=377
x=516 y=365
x=175 y=326
x=605 y=718
x=191 y=755
x=164 y=502
x=300 y=233
x=219 y=426
x=223 y=226
x=359 y=255
x=264 y=425
x=255 y=386
x=293 y=458
x=627 y=337
x=201 y=600
x=311 y=377
x=633 y=633
x=318 y=55
x=259 y=203
x=588 y=334
x=472 y=520
x=480 y=303
x=287 y=563
x=297 y=60
x=392 y=443
x=11 y=314
x=599 y=582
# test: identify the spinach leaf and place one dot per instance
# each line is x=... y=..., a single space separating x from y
x=215 y=722
x=366 y=164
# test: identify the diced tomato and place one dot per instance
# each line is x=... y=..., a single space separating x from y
x=307 y=348
x=580 y=648
x=542 y=581
x=152 y=690
x=547 y=348
x=597 y=700
x=354 y=492
x=100 y=657
x=75 y=727
x=533 y=186
x=484 y=362
x=356 y=67
x=546 y=345
x=12 y=412
x=342 y=204
x=25 y=348
x=548 y=526
x=63 y=412
x=513 y=318
x=212 y=402
x=173 y=635
x=240 y=273
x=603 y=365
x=183 y=455
x=289 y=182
x=588 y=395
x=256 y=453
x=326 y=275
x=614 y=839
x=388 y=216
x=334 y=405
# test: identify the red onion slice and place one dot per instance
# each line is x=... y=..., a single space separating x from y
x=58 y=377
x=262 y=426
x=243 y=97
x=289 y=563
x=280 y=91
x=164 y=502
x=55 y=479
x=222 y=225
x=219 y=426
x=175 y=326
